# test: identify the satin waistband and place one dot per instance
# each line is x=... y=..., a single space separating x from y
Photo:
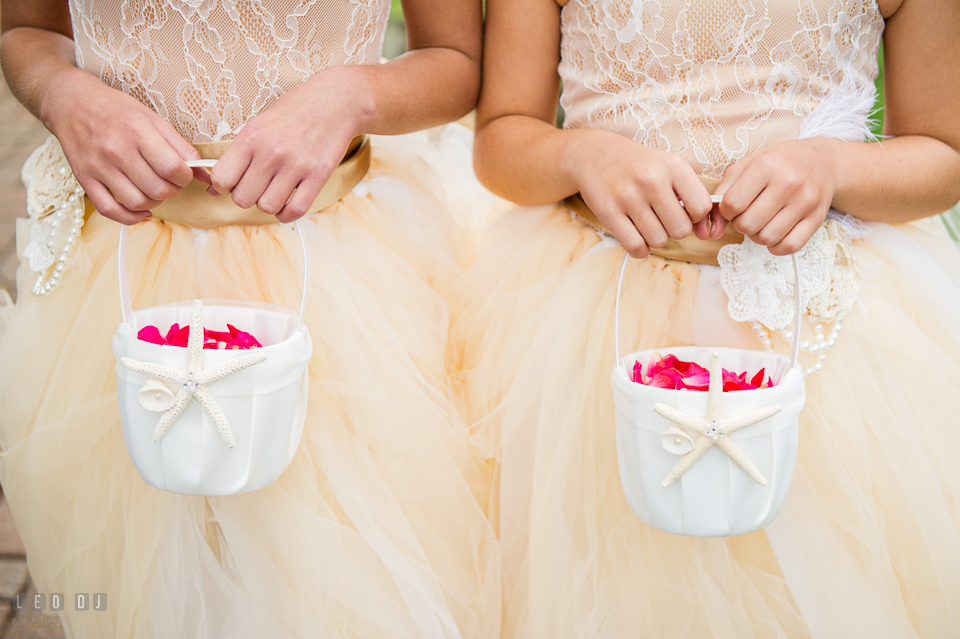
x=196 y=208
x=690 y=249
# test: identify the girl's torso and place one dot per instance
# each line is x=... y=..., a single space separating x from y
x=208 y=66
x=713 y=80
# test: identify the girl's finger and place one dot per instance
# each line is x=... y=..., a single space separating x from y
x=797 y=238
x=626 y=233
x=742 y=194
x=128 y=194
x=718 y=224
x=673 y=218
x=702 y=228
x=202 y=175
x=762 y=209
x=230 y=168
x=181 y=147
x=163 y=160
x=696 y=199
x=251 y=186
x=711 y=227
x=647 y=222
x=144 y=176
x=277 y=193
x=778 y=227
x=108 y=206
x=300 y=202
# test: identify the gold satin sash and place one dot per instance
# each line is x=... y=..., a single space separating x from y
x=690 y=249
x=196 y=208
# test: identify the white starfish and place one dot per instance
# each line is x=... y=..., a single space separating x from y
x=193 y=380
x=715 y=428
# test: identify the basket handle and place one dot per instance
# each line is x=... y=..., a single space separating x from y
x=796 y=321
x=126 y=307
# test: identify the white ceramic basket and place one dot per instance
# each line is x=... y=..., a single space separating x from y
x=264 y=404
x=714 y=497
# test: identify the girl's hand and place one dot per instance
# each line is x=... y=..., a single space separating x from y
x=126 y=157
x=282 y=158
x=778 y=196
x=635 y=191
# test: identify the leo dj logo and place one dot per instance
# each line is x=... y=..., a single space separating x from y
x=56 y=601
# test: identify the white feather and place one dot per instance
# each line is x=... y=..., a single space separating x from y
x=844 y=114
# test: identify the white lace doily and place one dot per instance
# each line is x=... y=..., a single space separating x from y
x=760 y=286
x=55 y=204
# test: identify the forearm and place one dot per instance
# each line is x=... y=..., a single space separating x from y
x=531 y=162
x=34 y=62
x=420 y=89
x=901 y=179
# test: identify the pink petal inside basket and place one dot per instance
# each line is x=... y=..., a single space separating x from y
x=672 y=373
x=227 y=324
x=178 y=335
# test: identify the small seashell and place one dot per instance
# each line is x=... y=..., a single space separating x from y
x=156 y=396
x=675 y=440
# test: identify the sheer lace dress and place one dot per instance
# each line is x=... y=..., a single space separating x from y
x=208 y=66
x=713 y=80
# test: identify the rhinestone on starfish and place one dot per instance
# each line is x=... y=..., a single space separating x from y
x=715 y=428
x=193 y=381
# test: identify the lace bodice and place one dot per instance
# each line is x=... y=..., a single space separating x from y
x=713 y=80
x=208 y=66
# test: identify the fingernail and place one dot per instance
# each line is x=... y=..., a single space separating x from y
x=148 y=217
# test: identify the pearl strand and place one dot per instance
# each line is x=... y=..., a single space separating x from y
x=762 y=334
x=820 y=345
x=41 y=287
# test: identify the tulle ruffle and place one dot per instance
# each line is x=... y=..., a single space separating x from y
x=378 y=527
x=868 y=543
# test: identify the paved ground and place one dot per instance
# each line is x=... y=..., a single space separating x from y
x=14 y=581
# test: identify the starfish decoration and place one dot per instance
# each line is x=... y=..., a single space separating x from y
x=193 y=380
x=715 y=428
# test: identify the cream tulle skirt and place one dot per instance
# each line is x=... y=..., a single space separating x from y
x=378 y=527
x=868 y=543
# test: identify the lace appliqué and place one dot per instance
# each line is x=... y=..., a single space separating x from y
x=760 y=286
x=838 y=297
x=55 y=203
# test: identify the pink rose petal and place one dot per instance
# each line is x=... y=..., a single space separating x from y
x=151 y=334
x=243 y=340
x=670 y=372
x=667 y=378
x=659 y=364
x=699 y=380
x=697 y=369
x=180 y=335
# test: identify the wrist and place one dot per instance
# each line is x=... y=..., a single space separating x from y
x=54 y=99
x=353 y=89
x=585 y=149
x=830 y=152
x=578 y=150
